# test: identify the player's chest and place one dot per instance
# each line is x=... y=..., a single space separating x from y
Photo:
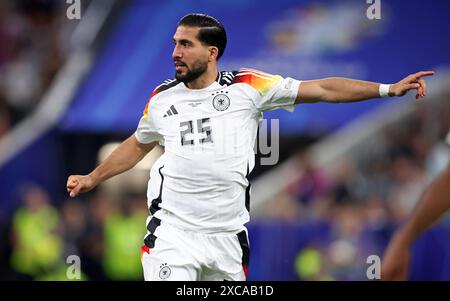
x=220 y=106
x=200 y=118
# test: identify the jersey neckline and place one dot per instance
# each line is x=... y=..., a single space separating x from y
x=216 y=81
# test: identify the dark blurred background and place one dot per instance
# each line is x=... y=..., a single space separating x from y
x=348 y=175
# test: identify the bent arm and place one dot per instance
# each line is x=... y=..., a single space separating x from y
x=124 y=157
x=339 y=89
x=433 y=204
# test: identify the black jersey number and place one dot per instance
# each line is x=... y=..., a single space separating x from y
x=187 y=128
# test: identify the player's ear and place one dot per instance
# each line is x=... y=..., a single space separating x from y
x=213 y=53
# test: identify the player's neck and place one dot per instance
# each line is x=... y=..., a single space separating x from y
x=204 y=80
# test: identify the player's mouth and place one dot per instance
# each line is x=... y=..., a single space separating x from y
x=179 y=67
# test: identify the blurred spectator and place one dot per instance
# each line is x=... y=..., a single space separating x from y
x=92 y=244
x=37 y=246
x=73 y=225
x=283 y=207
x=30 y=51
x=311 y=265
x=5 y=116
x=409 y=183
x=312 y=183
x=124 y=232
x=5 y=250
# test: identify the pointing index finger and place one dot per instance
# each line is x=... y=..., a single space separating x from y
x=423 y=73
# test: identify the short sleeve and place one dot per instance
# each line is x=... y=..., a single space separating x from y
x=274 y=91
x=146 y=131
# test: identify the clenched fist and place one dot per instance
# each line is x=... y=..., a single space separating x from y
x=77 y=184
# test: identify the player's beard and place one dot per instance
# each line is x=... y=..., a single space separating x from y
x=197 y=69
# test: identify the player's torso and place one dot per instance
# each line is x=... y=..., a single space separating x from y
x=208 y=136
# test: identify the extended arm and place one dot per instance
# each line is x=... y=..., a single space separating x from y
x=124 y=157
x=337 y=89
x=433 y=204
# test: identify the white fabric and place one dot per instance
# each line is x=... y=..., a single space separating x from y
x=180 y=255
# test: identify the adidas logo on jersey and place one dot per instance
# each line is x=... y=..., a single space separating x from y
x=171 y=111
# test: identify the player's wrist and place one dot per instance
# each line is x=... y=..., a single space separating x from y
x=93 y=179
x=385 y=90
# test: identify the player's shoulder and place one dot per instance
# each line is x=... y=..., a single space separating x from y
x=225 y=78
x=256 y=79
x=243 y=75
x=247 y=74
x=165 y=86
x=253 y=77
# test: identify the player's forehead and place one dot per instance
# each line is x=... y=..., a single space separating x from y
x=186 y=33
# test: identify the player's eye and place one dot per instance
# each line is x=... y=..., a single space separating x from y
x=185 y=43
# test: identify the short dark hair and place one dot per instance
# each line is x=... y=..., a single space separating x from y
x=211 y=31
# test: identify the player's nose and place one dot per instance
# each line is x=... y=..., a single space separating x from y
x=177 y=53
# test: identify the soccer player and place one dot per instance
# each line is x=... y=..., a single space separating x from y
x=433 y=204
x=199 y=192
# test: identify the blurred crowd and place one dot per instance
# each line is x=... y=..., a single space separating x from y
x=368 y=195
x=104 y=231
x=32 y=39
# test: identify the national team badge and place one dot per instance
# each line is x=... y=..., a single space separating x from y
x=165 y=271
x=221 y=102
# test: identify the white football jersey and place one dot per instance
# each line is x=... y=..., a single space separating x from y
x=201 y=183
